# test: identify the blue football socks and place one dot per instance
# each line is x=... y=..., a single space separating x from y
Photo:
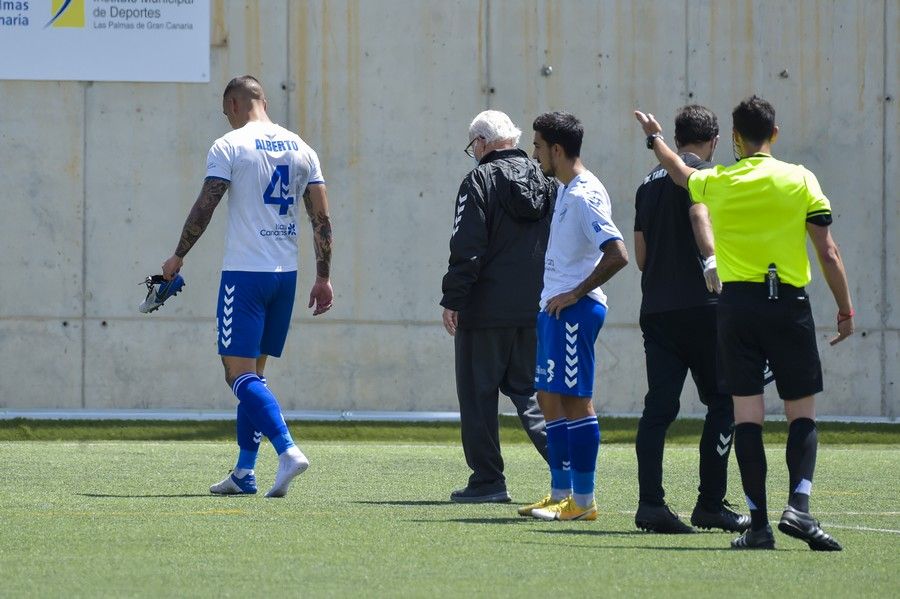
x=248 y=439
x=584 y=444
x=262 y=410
x=558 y=454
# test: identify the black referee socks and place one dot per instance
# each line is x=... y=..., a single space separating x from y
x=751 y=457
x=800 y=454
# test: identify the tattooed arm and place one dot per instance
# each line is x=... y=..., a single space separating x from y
x=210 y=195
x=316 y=201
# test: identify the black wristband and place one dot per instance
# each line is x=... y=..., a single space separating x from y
x=650 y=139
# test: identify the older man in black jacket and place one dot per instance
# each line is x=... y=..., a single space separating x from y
x=501 y=223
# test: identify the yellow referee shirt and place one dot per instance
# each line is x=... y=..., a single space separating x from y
x=759 y=207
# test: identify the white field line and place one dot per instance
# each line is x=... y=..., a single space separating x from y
x=866 y=528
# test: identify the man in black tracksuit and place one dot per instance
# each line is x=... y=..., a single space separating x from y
x=501 y=223
x=678 y=321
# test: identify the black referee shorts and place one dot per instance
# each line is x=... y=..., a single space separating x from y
x=753 y=329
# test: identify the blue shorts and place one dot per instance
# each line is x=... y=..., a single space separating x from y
x=253 y=312
x=565 y=348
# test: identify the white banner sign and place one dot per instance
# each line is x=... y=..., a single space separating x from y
x=105 y=40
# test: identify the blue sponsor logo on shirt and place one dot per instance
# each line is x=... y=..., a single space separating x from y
x=280 y=230
x=596 y=225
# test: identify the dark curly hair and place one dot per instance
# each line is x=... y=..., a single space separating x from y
x=561 y=128
x=695 y=124
x=754 y=119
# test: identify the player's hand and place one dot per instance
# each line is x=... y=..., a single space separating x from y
x=560 y=302
x=845 y=329
x=321 y=296
x=648 y=123
x=711 y=275
x=171 y=267
x=451 y=321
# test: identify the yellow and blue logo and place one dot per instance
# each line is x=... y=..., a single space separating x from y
x=66 y=13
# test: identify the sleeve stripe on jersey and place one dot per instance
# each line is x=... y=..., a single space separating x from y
x=611 y=239
x=316 y=183
x=818 y=212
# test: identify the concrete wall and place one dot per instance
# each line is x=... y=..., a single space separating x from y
x=100 y=176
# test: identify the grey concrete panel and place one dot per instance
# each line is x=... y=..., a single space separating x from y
x=248 y=38
x=325 y=366
x=41 y=149
x=387 y=107
x=891 y=397
x=852 y=372
x=376 y=366
x=620 y=380
x=598 y=52
x=41 y=363
x=140 y=188
x=890 y=303
x=139 y=363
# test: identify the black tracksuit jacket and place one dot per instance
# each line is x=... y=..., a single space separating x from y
x=500 y=230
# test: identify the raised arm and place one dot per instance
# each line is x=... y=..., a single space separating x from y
x=198 y=219
x=836 y=277
x=315 y=199
x=670 y=161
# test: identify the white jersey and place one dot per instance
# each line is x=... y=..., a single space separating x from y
x=269 y=168
x=582 y=223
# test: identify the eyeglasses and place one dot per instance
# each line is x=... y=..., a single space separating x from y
x=470 y=151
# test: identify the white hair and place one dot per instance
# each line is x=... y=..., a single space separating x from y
x=493 y=125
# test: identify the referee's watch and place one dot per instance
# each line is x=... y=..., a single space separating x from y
x=650 y=139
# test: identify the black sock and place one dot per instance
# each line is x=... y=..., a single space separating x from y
x=800 y=454
x=715 y=449
x=751 y=457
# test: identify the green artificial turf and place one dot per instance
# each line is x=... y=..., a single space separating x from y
x=121 y=519
x=614 y=430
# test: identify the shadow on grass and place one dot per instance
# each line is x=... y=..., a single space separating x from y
x=474 y=521
x=652 y=548
x=611 y=533
x=410 y=502
x=592 y=532
x=167 y=496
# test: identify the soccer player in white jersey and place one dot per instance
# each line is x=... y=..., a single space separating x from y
x=585 y=250
x=265 y=167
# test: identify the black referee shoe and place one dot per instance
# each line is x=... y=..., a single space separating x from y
x=486 y=494
x=724 y=518
x=755 y=539
x=661 y=519
x=801 y=525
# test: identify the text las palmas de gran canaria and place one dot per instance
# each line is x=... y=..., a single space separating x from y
x=119 y=14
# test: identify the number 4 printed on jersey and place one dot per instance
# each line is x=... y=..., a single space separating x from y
x=279 y=188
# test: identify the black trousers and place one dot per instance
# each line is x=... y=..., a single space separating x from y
x=675 y=342
x=489 y=361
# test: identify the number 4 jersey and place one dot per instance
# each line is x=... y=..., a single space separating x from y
x=269 y=168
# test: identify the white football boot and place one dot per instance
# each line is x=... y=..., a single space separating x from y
x=290 y=464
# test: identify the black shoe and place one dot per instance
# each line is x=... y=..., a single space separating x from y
x=488 y=494
x=755 y=539
x=801 y=525
x=661 y=519
x=724 y=518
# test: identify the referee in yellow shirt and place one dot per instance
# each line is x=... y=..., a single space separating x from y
x=762 y=210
